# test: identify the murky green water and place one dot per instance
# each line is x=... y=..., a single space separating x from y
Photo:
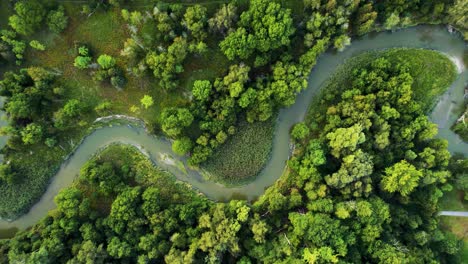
x=159 y=149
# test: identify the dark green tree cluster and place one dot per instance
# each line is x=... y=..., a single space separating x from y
x=34 y=117
x=265 y=27
x=30 y=15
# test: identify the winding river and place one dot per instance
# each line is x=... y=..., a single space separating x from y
x=159 y=149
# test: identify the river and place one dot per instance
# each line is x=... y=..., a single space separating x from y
x=444 y=114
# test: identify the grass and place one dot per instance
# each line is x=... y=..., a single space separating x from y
x=244 y=155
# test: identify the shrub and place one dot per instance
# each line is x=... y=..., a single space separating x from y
x=106 y=61
x=147 y=101
x=82 y=62
x=37 y=45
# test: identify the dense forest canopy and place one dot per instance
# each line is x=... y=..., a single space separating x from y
x=362 y=185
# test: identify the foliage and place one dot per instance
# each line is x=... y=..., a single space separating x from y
x=106 y=62
x=174 y=119
x=458 y=16
x=57 y=20
x=461 y=126
x=18 y=47
x=83 y=60
x=37 y=45
x=224 y=19
x=182 y=146
x=28 y=17
x=264 y=27
x=147 y=101
x=300 y=131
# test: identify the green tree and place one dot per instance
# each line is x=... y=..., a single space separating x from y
x=402 y=177
x=147 y=101
x=224 y=19
x=174 y=120
x=201 y=90
x=458 y=16
x=264 y=27
x=195 y=21
x=57 y=20
x=300 y=131
x=37 y=45
x=182 y=146
x=28 y=17
x=106 y=61
x=392 y=21
x=32 y=134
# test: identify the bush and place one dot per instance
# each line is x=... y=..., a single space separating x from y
x=37 y=45
x=106 y=61
x=82 y=62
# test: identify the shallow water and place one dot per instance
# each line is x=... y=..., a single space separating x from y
x=159 y=149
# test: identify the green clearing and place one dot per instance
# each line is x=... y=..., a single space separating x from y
x=243 y=155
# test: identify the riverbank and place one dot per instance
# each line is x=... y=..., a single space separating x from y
x=440 y=40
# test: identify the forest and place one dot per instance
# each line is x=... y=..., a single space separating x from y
x=366 y=178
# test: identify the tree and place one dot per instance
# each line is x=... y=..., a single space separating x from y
x=28 y=17
x=401 y=177
x=31 y=134
x=118 y=248
x=147 y=101
x=182 y=146
x=37 y=45
x=458 y=16
x=106 y=61
x=224 y=19
x=300 y=131
x=72 y=109
x=83 y=59
x=90 y=253
x=392 y=21
x=174 y=120
x=195 y=21
x=341 y=42
x=343 y=139
x=166 y=64
x=264 y=27
x=201 y=90
x=57 y=20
